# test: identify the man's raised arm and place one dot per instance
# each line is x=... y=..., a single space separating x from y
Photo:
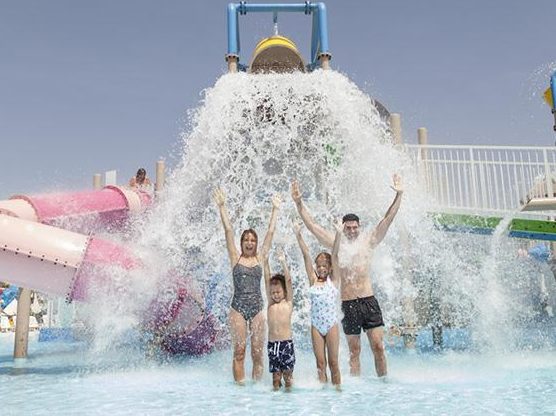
x=381 y=229
x=326 y=238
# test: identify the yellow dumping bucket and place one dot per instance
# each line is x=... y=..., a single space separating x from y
x=276 y=54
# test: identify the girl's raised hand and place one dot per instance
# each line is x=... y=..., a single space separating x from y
x=296 y=226
x=338 y=225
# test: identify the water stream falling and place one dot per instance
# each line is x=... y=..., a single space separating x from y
x=252 y=135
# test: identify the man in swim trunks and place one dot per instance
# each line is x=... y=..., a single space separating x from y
x=360 y=307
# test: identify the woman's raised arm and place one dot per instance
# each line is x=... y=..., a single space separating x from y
x=220 y=199
x=276 y=201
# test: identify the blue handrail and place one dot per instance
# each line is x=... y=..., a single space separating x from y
x=553 y=89
x=319 y=37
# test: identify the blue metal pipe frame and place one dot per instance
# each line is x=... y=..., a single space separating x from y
x=553 y=89
x=319 y=36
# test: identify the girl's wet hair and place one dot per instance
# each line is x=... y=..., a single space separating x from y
x=326 y=255
x=244 y=234
x=279 y=278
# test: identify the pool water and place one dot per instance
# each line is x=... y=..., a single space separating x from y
x=71 y=378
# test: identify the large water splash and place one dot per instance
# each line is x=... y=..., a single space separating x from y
x=252 y=135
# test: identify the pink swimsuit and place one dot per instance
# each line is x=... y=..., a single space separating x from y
x=324 y=314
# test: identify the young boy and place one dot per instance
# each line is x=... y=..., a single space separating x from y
x=281 y=353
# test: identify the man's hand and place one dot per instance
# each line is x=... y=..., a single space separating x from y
x=296 y=192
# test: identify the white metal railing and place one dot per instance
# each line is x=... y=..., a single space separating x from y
x=485 y=178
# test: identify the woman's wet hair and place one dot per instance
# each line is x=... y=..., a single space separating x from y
x=244 y=235
x=279 y=278
x=326 y=255
x=141 y=171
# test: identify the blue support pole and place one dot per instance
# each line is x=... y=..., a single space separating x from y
x=265 y=8
x=233 y=30
x=553 y=89
x=314 y=40
x=323 y=29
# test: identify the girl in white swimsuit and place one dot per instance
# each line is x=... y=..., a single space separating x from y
x=324 y=298
x=324 y=315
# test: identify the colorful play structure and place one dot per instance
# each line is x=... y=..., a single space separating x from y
x=59 y=261
x=48 y=245
x=277 y=53
x=474 y=187
x=48 y=241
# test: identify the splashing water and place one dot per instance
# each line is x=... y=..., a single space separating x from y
x=252 y=135
x=495 y=318
x=539 y=81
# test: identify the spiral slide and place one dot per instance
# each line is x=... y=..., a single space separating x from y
x=36 y=254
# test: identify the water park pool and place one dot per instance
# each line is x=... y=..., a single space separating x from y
x=131 y=262
x=69 y=378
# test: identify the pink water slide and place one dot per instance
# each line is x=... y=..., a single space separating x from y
x=55 y=261
x=39 y=256
x=85 y=211
x=62 y=262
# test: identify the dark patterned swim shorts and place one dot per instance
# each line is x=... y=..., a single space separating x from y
x=281 y=356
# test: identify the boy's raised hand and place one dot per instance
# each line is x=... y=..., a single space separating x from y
x=281 y=255
x=276 y=201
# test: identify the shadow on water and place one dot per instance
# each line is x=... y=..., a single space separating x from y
x=24 y=371
x=79 y=359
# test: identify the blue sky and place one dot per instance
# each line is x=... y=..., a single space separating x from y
x=91 y=86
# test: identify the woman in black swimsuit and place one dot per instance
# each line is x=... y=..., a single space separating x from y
x=246 y=312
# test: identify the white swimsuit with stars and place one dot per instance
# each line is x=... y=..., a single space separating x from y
x=324 y=314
